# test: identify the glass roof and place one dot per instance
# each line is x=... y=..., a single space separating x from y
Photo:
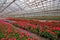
x=27 y=6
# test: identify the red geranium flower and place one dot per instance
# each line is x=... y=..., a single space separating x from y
x=3 y=39
x=9 y=30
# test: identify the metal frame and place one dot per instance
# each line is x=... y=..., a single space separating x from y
x=26 y=5
x=7 y=6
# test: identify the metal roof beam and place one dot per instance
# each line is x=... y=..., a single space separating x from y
x=7 y=6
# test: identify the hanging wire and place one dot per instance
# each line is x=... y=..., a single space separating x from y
x=42 y=7
x=49 y=7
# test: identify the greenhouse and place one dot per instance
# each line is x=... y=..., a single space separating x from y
x=29 y=19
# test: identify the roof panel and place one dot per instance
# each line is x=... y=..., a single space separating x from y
x=27 y=6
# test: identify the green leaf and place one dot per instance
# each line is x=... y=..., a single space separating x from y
x=23 y=38
x=16 y=35
x=1 y=35
x=18 y=39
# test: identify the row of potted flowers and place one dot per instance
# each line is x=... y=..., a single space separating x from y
x=8 y=32
x=47 y=29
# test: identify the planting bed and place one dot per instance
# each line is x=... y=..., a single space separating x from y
x=49 y=29
x=30 y=29
x=9 y=32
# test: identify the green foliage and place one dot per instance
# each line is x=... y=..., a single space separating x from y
x=36 y=30
x=16 y=35
x=1 y=35
x=57 y=32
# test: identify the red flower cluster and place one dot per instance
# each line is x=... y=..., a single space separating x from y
x=9 y=39
x=42 y=25
x=8 y=32
x=38 y=26
x=25 y=24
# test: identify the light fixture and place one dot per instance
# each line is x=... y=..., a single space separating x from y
x=31 y=0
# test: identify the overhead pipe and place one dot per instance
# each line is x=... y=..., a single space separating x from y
x=7 y=6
